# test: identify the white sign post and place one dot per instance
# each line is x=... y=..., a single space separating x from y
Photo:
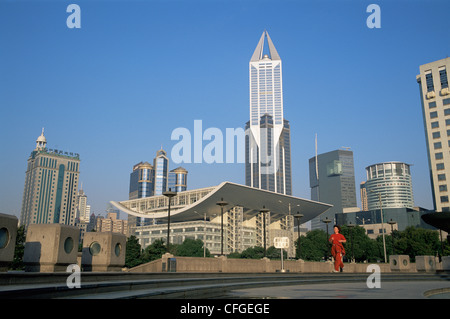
x=281 y=242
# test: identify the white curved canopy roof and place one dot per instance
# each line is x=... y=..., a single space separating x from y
x=192 y=204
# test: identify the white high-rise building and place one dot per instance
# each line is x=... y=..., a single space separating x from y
x=83 y=209
x=435 y=97
x=268 y=151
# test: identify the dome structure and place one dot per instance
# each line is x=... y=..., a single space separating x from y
x=41 y=141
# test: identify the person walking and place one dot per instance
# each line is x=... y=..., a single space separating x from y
x=337 y=249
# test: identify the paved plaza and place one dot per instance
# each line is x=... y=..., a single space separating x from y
x=354 y=290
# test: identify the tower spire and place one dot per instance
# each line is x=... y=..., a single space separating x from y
x=258 y=53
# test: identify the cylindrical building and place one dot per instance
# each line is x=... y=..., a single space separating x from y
x=178 y=179
x=391 y=180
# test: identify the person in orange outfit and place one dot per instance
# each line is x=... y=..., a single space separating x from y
x=337 y=249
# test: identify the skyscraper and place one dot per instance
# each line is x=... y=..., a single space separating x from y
x=161 y=169
x=392 y=180
x=141 y=181
x=435 y=98
x=332 y=181
x=51 y=184
x=83 y=209
x=267 y=140
x=148 y=180
x=178 y=179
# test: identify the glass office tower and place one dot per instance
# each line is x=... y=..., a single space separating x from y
x=178 y=179
x=141 y=181
x=332 y=181
x=267 y=140
x=161 y=171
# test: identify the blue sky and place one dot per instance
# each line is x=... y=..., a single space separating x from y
x=114 y=90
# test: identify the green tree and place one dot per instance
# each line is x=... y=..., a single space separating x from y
x=133 y=255
x=17 y=263
x=191 y=248
x=253 y=253
x=275 y=253
x=154 y=251
x=414 y=241
x=359 y=245
x=314 y=246
x=234 y=254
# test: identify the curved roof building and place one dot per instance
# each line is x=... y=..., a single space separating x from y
x=188 y=204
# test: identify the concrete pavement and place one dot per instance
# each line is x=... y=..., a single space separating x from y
x=354 y=290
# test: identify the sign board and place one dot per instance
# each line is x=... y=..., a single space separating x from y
x=281 y=242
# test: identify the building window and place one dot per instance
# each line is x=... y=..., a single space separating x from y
x=441 y=177
x=442 y=188
x=443 y=77
x=440 y=166
x=436 y=134
x=447 y=112
x=434 y=124
x=432 y=104
x=437 y=145
x=446 y=101
x=438 y=156
x=433 y=115
x=429 y=80
x=444 y=199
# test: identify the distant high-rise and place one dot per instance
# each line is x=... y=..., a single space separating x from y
x=332 y=181
x=178 y=179
x=148 y=180
x=112 y=223
x=391 y=180
x=363 y=194
x=51 y=184
x=161 y=170
x=435 y=97
x=267 y=140
x=141 y=181
x=83 y=209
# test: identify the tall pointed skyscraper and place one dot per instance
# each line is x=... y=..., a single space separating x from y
x=267 y=141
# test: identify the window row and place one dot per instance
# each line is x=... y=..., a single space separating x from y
x=442 y=77
x=436 y=124
x=438 y=145
x=444 y=102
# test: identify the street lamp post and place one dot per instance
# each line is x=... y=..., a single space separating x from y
x=298 y=216
x=382 y=223
x=169 y=194
x=351 y=238
x=392 y=223
x=264 y=210
x=221 y=203
x=327 y=221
